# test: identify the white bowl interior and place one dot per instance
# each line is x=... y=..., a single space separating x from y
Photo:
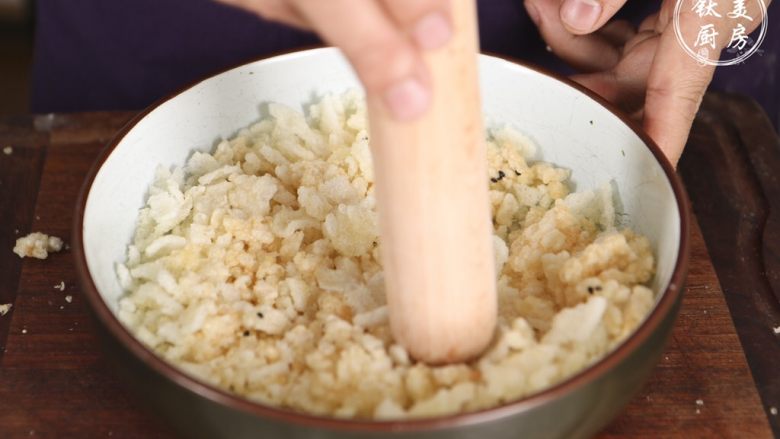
x=571 y=130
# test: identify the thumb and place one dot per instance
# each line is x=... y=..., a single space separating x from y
x=585 y=16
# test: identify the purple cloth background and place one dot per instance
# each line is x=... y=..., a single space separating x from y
x=125 y=54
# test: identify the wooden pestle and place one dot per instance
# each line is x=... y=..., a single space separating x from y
x=432 y=197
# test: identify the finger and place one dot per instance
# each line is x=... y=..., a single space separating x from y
x=625 y=84
x=638 y=39
x=587 y=53
x=274 y=10
x=617 y=32
x=385 y=60
x=585 y=16
x=648 y=24
x=675 y=89
x=427 y=21
x=647 y=29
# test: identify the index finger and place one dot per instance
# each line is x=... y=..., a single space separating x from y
x=675 y=88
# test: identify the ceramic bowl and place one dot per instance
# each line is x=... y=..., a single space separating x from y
x=574 y=129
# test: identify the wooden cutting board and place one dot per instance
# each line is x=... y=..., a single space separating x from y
x=55 y=381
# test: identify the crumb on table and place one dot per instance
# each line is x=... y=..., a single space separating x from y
x=37 y=245
x=5 y=308
x=60 y=286
x=8 y=150
x=69 y=298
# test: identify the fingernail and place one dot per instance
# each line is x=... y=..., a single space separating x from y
x=407 y=99
x=533 y=12
x=432 y=31
x=580 y=15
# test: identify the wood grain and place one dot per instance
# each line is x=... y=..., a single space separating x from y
x=54 y=379
x=56 y=383
x=703 y=362
x=732 y=165
x=19 y=177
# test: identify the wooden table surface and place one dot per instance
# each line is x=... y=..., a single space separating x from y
x=55 y=381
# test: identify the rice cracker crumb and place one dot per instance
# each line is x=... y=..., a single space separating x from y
x=256 y=268
x=8 y=150
x=37 y=245
x=4 y=308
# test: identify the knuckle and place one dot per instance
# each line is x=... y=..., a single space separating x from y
x=407 y=12
x=684 y=98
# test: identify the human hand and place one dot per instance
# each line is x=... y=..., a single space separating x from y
x=383 y=39
x=645 y=71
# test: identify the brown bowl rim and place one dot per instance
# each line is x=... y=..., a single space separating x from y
x=664 y=306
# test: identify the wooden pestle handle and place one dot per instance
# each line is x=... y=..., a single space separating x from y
x=432 y=197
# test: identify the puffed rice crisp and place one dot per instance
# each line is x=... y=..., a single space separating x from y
x=256 y=268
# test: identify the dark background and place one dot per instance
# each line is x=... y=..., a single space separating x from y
x=91 y=55
x=16 y=48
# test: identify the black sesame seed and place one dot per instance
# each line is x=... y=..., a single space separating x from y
x=259 y=314
x=517 y=173
x=246 y=333
x=501 y=175
x=590 y=290
x=494 y=180
x=591 y=122
x=597 y=288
